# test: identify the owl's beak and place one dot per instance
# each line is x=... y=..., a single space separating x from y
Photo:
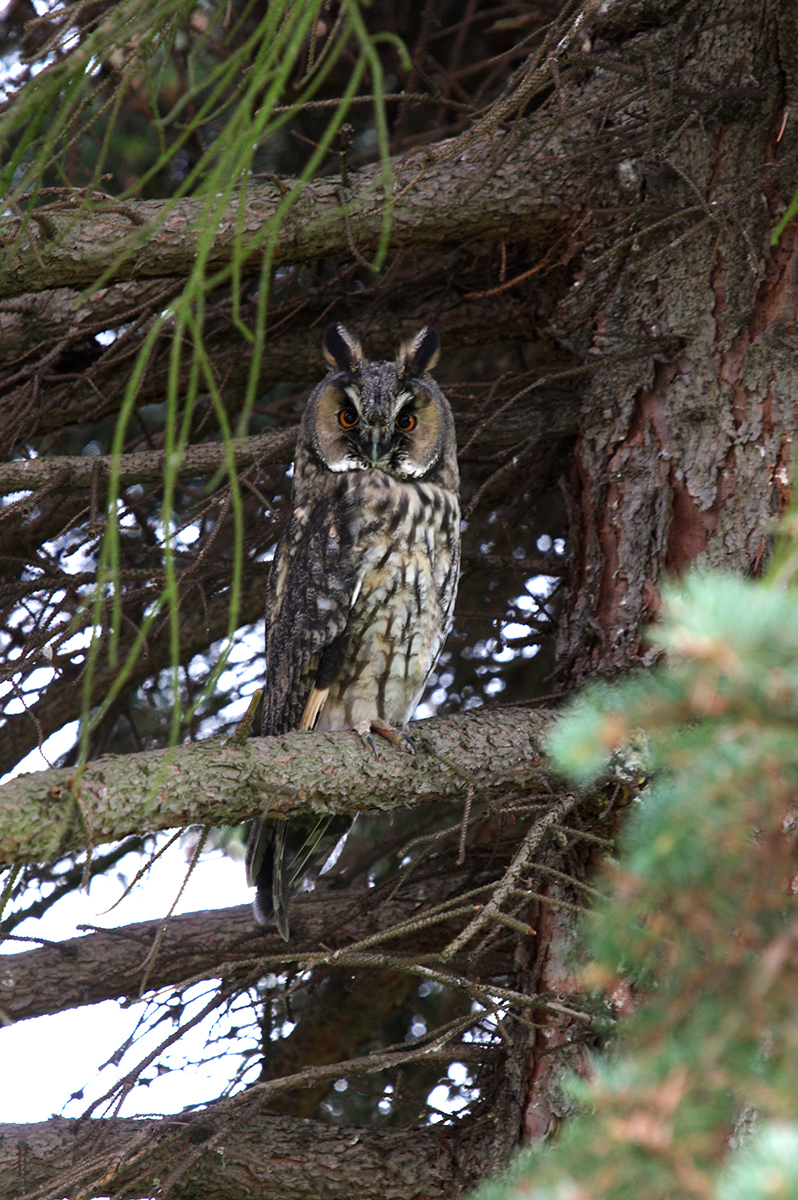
x=377 y=450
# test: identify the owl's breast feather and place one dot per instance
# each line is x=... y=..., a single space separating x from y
x=406 y=537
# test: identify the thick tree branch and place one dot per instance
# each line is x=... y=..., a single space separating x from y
x=437 y=199
x=49 y=813
x=261 y=1156
x=68 y=474
x=112 y=963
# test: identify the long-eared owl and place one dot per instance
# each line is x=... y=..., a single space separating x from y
x=362 y=587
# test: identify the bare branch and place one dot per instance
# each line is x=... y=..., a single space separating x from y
x=530 y=844
x=70 y=472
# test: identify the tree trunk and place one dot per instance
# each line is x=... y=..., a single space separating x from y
x=686 y=459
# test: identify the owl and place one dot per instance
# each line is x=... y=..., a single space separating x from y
x=363 y=583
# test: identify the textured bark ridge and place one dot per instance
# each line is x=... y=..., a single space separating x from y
x=262 y=1157
x=686 y=458
x=435 y=202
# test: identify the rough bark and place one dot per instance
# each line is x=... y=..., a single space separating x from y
x=49 y=813
x=435 y=201
x=561 y=1045
x=687 y=459
x=260 y=1156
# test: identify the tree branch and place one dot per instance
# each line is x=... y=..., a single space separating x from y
x=69 y=472
x=437 y=199
x=111 y=963
x=50 y=813
x=64 y=314
x=261 y=1156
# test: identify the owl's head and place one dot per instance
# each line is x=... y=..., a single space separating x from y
x=388 y=416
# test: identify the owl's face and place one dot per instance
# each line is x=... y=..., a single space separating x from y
x=382 y=416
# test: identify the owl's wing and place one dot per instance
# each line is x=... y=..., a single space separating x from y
x=312 y=585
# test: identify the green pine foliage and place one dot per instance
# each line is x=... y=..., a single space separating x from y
x=698 y=1094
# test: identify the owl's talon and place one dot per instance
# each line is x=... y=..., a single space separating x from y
x=401 y=741
x=372 y=745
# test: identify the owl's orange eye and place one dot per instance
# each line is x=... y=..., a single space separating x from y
x=348 y=418
x=406 y=421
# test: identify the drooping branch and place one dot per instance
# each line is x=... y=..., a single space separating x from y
x=48 y=813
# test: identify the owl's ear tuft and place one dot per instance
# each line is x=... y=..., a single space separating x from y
x=420 y=354
x=341 y=350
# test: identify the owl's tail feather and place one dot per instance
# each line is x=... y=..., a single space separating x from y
x=280 y=882
x=284 y=858
x=259 y=862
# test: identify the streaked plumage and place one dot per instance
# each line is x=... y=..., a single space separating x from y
x=362 y=588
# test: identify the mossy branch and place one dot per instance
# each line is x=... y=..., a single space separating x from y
x=49 y=813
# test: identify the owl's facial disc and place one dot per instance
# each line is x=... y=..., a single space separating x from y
x=398 y=430
x=337 y=428
x=373 y=418
x=416 y=432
